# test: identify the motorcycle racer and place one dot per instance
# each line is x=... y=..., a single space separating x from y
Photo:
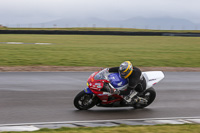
x=136 y=82
x=107 y=88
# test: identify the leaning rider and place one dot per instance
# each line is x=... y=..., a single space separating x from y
x=136 y=82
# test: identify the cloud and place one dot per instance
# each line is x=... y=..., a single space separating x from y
x=45 y=10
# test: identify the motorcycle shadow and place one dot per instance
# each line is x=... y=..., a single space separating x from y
x=113 y=110
x=114 y=113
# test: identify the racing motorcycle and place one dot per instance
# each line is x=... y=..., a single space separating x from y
x=97 y=94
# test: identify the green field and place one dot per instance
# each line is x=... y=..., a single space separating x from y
x=96 y=50
x=186 y=128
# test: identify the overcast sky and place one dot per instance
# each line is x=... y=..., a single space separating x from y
x=37 y=11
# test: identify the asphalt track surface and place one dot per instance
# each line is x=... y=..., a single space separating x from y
x=31 y=97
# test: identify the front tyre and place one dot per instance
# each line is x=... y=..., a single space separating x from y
x=84 y=101
x=149 y=95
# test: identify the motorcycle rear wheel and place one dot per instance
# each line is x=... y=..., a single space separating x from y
x=149 y=95
x=83 y=101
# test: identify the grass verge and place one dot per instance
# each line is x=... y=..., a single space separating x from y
x=186 y=128
x=102 y=51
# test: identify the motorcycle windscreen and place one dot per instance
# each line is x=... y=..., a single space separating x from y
x=117 y=81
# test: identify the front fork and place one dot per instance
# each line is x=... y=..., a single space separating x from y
x=88 y=91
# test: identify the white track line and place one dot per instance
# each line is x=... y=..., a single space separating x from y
x=97 y=123
x=93 y=121
x=25 y=43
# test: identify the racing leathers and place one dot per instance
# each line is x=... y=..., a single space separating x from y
x=136 y=83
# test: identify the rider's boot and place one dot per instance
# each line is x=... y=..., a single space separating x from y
x=140 y=100
x=133 y=98
x=128 y=98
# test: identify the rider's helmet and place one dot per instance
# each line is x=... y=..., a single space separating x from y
x=125 y=69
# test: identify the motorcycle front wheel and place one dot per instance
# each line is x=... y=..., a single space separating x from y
x=84 y=101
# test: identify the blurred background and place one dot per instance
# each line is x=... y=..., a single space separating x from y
x=151 y=14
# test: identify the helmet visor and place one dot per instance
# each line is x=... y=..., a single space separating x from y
x=124 y=74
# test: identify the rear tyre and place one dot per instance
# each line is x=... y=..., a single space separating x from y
x=149 y=95
x=84 y=101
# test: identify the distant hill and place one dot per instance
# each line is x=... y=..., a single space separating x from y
x=162 y=23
